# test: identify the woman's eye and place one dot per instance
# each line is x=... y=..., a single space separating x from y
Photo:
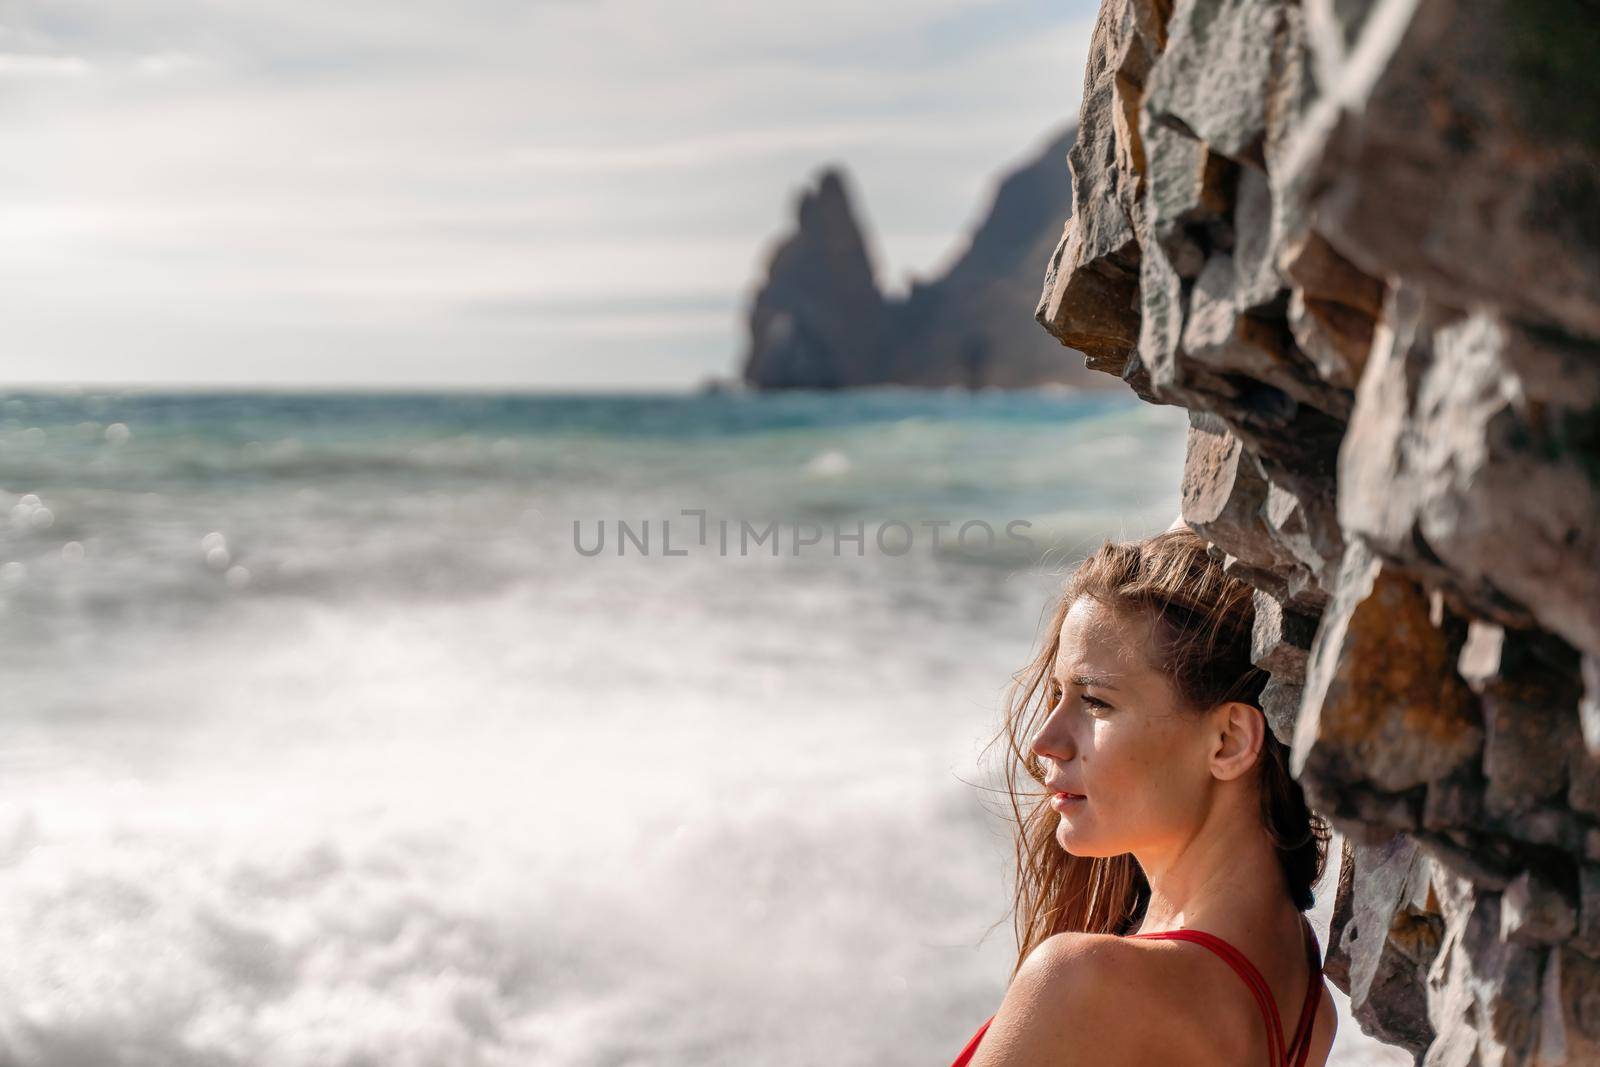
x=1094 y=702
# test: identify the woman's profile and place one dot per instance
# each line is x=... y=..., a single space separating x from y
x=1164 y=870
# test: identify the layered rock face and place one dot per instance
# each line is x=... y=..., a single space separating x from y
x=820 y=321
x=1359 y=240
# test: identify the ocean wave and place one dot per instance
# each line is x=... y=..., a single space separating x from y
x=429 y=787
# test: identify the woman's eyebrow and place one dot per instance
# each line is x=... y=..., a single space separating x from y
x=1086 y=680
x=1090 y=679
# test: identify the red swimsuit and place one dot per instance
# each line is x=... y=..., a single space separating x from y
x=1277 y=1055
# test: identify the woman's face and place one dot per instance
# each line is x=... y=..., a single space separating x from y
x=1116 y=735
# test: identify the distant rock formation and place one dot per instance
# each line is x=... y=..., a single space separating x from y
x=821 y=322
x=1360 y=241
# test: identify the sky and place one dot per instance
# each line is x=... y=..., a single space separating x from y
x=474 y=193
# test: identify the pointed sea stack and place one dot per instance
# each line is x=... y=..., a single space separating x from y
x=821 y=322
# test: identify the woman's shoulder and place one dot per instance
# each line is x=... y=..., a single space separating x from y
x=1069 y=961
x=1091 y=967
x=1056 y=955
x=1081 y=999
x=1214 y=1016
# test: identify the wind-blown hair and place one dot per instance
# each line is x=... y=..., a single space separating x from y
x=1201 y=636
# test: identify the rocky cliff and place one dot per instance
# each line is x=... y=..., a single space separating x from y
x=821 y=322
x=1359 y=240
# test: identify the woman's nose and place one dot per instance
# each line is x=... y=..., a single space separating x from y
x=1036 y=746
x=1052 y=740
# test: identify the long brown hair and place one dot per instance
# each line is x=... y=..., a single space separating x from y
x=1203 y=620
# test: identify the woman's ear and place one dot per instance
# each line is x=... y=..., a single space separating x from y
x=1238 y=730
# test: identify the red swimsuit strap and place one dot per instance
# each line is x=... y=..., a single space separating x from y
x=1246 y=970
x=1252 y=979
x=966 y=1054
x=1300 y=1048
x=1308 y=1011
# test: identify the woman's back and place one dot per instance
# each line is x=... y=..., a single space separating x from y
x=1287 y=1046
x=1204 y=1018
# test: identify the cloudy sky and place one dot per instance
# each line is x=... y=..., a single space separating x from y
x=522 y=192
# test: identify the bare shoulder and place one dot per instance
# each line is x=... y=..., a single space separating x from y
x=1096 y=999
x=1078 y=1000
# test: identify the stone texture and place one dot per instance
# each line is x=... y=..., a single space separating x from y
x=1385 y=931
x=1533 y=908
x=1359 y=240
x=1383 y=705
x=1090 y=291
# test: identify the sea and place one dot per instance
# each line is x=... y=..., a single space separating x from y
x=410 y=729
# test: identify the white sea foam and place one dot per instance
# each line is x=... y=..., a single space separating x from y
x=829 y=464
x=431 y=789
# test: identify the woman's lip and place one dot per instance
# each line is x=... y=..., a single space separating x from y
x=1059 y=801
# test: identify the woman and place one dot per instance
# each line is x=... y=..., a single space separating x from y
x=1164 y=872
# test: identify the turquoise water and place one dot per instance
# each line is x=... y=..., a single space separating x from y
x=407 y=494
x=324 y=744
